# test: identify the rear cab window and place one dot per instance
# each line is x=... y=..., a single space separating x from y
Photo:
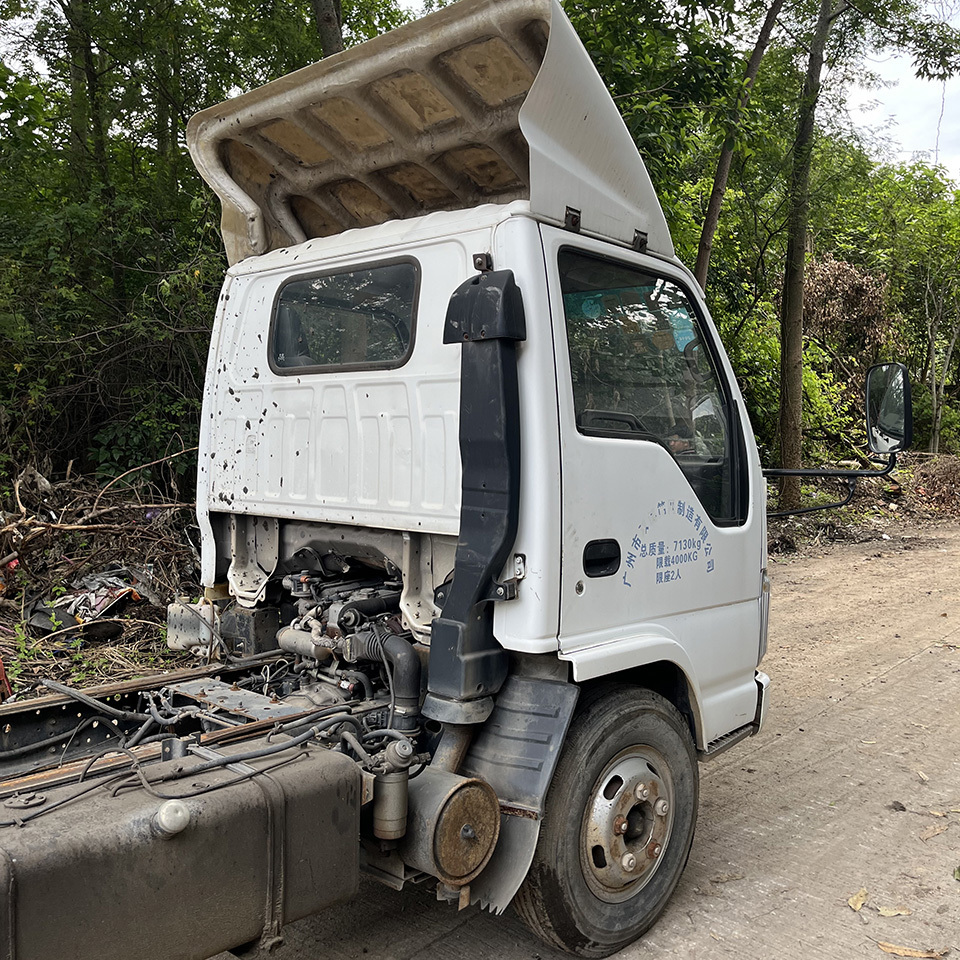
x=357 y=319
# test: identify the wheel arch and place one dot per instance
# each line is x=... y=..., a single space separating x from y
x=666 y=678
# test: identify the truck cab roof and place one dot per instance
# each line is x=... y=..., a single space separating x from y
x=483 y=101
x=357 y=240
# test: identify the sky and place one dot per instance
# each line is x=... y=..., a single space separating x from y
x=920 y=119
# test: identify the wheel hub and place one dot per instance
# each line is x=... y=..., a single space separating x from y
x=627 y=823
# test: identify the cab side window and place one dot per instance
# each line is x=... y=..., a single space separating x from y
x=361 y=318
x=642 y=369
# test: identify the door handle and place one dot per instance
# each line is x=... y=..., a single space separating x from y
x=601 y=558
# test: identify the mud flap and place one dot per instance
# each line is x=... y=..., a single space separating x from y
x=516 y=751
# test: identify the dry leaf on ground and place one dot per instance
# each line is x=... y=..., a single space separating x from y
x=894 y=911
x=858 y=899
x=934 y=831
x=910 y=952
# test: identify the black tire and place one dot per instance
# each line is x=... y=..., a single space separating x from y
x=581 y=894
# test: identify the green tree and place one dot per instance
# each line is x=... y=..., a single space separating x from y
x=110 y=256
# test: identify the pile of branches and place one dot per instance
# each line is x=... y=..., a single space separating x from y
x=937 y=485
x=923 y=489
x=86 y=572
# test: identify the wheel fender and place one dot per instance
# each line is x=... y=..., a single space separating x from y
x=612 y=660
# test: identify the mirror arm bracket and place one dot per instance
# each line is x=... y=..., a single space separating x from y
x=831 y=474
x=851 y=487
x=851 y=476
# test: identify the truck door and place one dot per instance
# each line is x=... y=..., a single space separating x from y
x=662 y=506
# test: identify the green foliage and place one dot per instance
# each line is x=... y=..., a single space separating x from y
x=110 y=255
x=670 y=67
x=111 y=261
x=923 y=421
x=754 y=351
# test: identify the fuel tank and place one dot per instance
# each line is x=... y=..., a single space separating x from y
x=180 y=859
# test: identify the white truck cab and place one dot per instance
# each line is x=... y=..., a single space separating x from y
x=333 y=419
x=518 y=409
x=483 y=527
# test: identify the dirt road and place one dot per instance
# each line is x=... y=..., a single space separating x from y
x=854 y=783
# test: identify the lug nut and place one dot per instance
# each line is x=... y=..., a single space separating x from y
x=661 y=807
x=642 y=791
x=620 y=825
x=629 y=862
x=654 y=851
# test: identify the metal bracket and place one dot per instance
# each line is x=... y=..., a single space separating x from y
x=483 y=262
x=506 y=590
x=851 y=489
x=640 y=241
x=23 y=801
x=851 y=476
x=571 y=220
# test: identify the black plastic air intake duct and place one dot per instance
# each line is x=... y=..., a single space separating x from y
x=467 y=665
x=404 y=666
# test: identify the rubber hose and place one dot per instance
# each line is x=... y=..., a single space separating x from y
x=405 y=665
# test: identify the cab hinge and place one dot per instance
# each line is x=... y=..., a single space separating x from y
x=571 y=220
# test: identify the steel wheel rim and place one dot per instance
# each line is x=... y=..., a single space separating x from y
x=627 y=823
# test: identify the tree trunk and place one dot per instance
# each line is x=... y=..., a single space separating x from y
x=722 y=175
x=329 y=18
x=79 y=110
x=940 y=390
x=791 y=300
x=931 y=308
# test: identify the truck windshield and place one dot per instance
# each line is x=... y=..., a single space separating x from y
x=641 y=370
x=353 y=319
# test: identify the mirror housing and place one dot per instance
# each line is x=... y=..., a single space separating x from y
x=889 y=408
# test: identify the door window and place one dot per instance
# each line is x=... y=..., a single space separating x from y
x=642 y=369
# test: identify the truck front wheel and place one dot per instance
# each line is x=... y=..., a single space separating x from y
x=618 y=824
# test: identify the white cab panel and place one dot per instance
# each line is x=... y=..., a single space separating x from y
x=530 y=622
x=705 y=614
x=376 y=447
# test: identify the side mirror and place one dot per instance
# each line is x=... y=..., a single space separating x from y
x=697 y=363
x=889 y=408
